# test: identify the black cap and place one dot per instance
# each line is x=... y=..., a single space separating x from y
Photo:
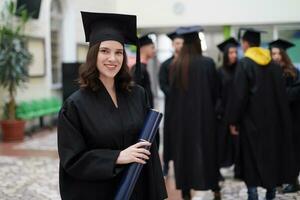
x=145 y=40
x=173 y=35
x=251 y=35
x=230 y=42
x=190 y=34
x=99 y=27
x=282 y=44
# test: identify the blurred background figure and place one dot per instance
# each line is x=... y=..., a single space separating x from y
x=164 y=76
x=147 y=52
x=261 y=112
x=292 y=82
x=227 y=143
x=192 y=119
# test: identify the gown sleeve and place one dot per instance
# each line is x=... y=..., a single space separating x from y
x=75 y=158
x=164 y=78
x=293 y=91
x=214 y=82
x=220 y=104
x=240 y=96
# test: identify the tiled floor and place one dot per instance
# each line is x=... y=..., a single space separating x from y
x=29 y=171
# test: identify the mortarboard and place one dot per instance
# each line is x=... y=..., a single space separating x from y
x=190 y=34
x=230 y=42
x=99 y=27
x=251 y=35
x=173 y=35
x=282 y=44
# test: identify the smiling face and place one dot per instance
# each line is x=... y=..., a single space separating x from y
x=110 y=58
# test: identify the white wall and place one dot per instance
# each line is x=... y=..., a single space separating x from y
x=106 y=6
x=160 y=13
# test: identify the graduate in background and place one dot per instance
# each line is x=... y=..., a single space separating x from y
x=260 y=111
x=99 y=124
x=292 y=82
x=147 y=52
x=192 y=118
x=177 y=42
x=228 y=144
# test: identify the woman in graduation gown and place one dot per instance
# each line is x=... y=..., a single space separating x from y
x=99 y=124
x=292 y=81
x=260 y=111
x=164 y=75
x=227 y=147
x=192 y=118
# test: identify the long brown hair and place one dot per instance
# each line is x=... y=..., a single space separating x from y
x=287 y=67
x=226 y=65
x=89 y=73
x=179 y=71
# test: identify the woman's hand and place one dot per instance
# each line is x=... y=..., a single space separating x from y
x=135 y=153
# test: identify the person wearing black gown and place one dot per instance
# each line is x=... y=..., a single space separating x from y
x=260 y=111
x=227 y=143
x=177 y=42
x=192 y=119
x=99 y=124
x=292 y=81
x=142 y=76
x=147 y=51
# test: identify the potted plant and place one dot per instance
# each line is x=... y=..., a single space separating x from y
x=14 y=61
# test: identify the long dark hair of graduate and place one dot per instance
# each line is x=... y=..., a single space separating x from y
x=89 y=73
x=225 y=63
x=288 y=67
x=179 y=71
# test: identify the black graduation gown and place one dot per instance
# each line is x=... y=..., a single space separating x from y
x=145 y=82
x=91 y=134
x=165 y=87
x=226 y=141
x=260 y=108
x=192 y=121
x=293 y=91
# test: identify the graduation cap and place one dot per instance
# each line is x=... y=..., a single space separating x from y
x=190 y=34
x=173 y=35
x=282 y=44
x=230 y=42
x=145 y=40
x=251 y=35
x=99 y=27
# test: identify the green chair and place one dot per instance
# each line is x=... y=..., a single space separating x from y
x=24 y=111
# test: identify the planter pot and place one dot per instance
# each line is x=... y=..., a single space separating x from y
x=13 y=130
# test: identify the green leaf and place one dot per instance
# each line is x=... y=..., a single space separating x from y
x=14 y=54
